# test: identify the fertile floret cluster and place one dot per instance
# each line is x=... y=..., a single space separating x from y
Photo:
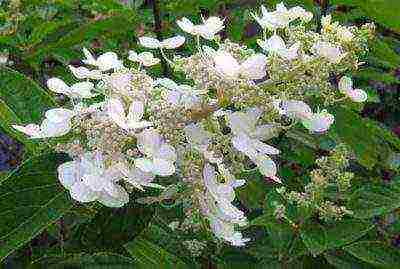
x=126 y=130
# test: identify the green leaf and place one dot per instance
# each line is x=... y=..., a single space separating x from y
x=150 y=255
x=384 y=12
x=256 y=189
x=113 y=227
x=22 y=101
x=376 y=253
x=104 y=260
x=31 y=199
x=370 y=145
x=315 y=238
x=345 y=232
x=343 y=260
x=319 y=238
x=372 y=200
x=109 y=27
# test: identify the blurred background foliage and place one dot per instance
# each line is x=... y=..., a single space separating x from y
x=41 y=228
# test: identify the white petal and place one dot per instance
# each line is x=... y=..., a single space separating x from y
x=136 y=111
x=137 y=176
x=281 y=7
x=242 y=143
x=167 y=83
x=94 y=182
x=149 y=42
x=139 y=125
x=319 y=122
x=196 y=134
x=166 y=152
x=186 y=25
x=57 y=85
x=214 y=24
x=265 y=132
x=149 y=142
x=107 y=61
x=68 y=174
x=58 y=115
x=116 y=112
x=82 y=89
x=209 y=177
x=173 y=42
x=133 y=56
x=144 y=164
x=204 y=31
x=163 y=167
x=226 y=65
x=147 y=59
x=264 y=148
x=292 y=52
x=275 y=44
x=254 y=67
x=30 y=129
x=89 y=57
x=115 y=190
x=112 y=201
x=358 y=95
x=345 y=84
x=83 y=72
x=296 y=109
x=82 y=193
x=54 y=129
x=266 y=166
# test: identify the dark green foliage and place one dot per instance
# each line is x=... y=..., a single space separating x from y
x=42 y=37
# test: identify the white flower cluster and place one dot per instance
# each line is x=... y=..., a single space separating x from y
x=125 y=135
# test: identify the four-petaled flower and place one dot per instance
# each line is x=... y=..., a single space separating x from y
x=159 y=157
x=207 y=30
x=247 y=139
x=346 y=87
x=57 y=123
x=88 y=180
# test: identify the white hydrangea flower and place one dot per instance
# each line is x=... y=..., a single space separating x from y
x=145 y=58
x=254 y=67
x=82 y=72
x=300 y=13
x=120 y=82
x=57 y=123
x=293 y=108
x=319 y=122
x=207 y=30
x=200 y=140
x=328 y=51
x=276 y=45
x=226 y=231
x=3 y=58
x=315 y=122
x=247 y=139
x=346 y=87
x=88 y=180
x=104 y=62
x=169 y=43
x=342 y=32
x=218 y=207
x=138 y=178
x=278 y=19
x=159 y=157
x=77 y=90
x=180 y=95
x=132 y=120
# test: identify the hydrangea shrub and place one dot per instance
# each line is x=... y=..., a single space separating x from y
x=128 y=131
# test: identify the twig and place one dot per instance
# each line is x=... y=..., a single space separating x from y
x=158 y=31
